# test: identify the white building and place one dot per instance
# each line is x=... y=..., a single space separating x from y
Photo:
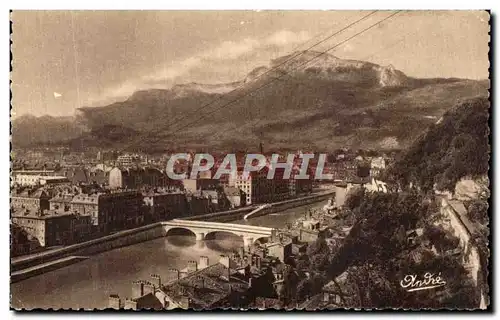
x=125 y=160
x=376 y=166
x=376 y=186
x=32 y=180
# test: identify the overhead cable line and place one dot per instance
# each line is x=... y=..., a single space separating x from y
x=287 y=73
x=393 y=44
x=292 y=57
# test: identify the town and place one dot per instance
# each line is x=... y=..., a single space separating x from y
x=56 y=202
x=239 y=160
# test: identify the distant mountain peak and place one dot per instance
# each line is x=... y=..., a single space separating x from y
x=218 y=88
x=323 y=100
x=326 y=65
x=389 y=77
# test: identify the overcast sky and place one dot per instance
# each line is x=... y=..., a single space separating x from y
x=92 y=58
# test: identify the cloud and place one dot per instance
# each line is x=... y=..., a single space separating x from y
x=230 y=50
x=347 y=48
x=285 y=37
x=240 y=55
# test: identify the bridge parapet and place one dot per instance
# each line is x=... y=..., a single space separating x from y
x=202 y=228
x=216 y=225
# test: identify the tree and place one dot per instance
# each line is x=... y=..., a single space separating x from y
x=354 y=199
x=448 y=151
x=478 y=211
x=288 y=292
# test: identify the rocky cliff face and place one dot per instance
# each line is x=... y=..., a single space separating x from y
x=390 y=77
x=469 y=188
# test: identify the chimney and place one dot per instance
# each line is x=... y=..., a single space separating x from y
x=156 y=280
x=241 y=252
x=326 y=297
x=192 y=266
x=258 y=262
x=234 y=256
x=130 y=304
x=172 y=275
x=203 y=262
x=250 y=280
x=149 y=288
x=273 y=235
x=137 y=289
x=202 y=281
x=114 y=302
x=182 y=290
x=184 y=302
x=224 y=260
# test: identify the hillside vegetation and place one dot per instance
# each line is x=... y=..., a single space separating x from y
x=455 y=147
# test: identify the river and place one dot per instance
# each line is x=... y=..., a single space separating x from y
x=88 y=284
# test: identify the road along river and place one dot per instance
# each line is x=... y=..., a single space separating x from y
x=88 y=284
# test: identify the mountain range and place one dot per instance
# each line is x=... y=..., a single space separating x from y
x=306 y=100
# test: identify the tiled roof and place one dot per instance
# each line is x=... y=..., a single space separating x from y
x=39 y=193
x=267 y=303
x=29 y=193
x=206 y=287
x=160 y=192
x=47 y=214
x=312 y=304
x=62 y=198
x=232 y=191
x=83 y=198
x=149 y=301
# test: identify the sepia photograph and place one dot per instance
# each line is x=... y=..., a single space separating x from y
x=250 y=160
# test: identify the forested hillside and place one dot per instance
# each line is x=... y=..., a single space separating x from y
x=455 y=147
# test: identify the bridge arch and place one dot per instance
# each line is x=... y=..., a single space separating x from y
x=214 y=234
x=180 y=231
x=262 y=240
x=205 y=229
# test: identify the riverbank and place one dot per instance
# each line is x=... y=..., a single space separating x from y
x=137 y=235
x=287 y=204
x=117 y=240
x=236 y=214
x=44 y=267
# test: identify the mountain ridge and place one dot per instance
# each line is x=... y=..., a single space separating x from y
x=332 y=102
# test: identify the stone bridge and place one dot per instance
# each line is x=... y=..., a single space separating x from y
x=202 y=228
